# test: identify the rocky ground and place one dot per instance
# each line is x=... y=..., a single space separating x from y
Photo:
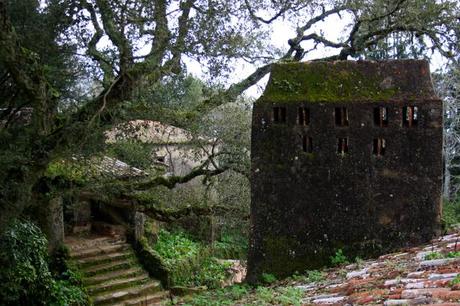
x=428 y=275
x=421 y=275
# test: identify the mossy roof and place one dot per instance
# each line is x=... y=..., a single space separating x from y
x=349 y=81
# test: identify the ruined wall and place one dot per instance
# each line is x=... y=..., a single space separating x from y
x=345 y=155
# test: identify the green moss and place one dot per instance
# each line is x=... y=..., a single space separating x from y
x=325 y=82
x=152 y=262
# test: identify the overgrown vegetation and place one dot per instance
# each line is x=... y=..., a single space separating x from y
x=245 y=295
x=191 y=263
x=25 y=276
x=231 y=246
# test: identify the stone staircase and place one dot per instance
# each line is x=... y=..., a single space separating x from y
x=111 y=273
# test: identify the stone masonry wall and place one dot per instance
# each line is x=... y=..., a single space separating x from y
x=359 y=171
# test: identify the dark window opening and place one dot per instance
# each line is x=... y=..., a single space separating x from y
x=381 y=116
x=342 y=145
x=307 y=144
x=304 y=116
x=379 y=147
x=279 y=114
x=410 y=116
x=341 y=116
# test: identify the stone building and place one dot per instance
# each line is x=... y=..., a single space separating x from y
x=174 y=152
x=345 y=155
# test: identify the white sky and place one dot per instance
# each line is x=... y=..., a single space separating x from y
x=333 y=28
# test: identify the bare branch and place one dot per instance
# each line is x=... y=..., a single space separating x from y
x=99 y=57
x=282 y=10
x=161 y=35
x=117 y=37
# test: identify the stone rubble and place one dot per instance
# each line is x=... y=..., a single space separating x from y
x=404 y=278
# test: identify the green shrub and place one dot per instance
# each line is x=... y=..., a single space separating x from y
x=268 y=278
x=25 y=278
x=339 y=258
x=455 y=281
x=190 y=263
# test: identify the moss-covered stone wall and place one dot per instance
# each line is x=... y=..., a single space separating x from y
x=307 y=205
x=348 y=81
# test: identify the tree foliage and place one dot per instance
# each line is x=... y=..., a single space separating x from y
x=25 y=278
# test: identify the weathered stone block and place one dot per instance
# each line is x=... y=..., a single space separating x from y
x=345 y=155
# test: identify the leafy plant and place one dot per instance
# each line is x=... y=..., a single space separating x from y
x=265 y=295
x=268 y=278
x=437 y=255
x=433 y=255
x=289 y=296
x=453 y=254
x=25 y=278
x=315 y=276
x=455 y=281
x=339 y=258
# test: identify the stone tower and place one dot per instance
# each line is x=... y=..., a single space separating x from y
x=345 y=155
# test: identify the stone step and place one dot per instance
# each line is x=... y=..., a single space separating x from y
x=118 y=284
x=105 y=249
x=75 y=243
x=107 y=267
x=78 y=244
x=112 y=275
x=150 y=299
x=118 y=296
x=100 y=259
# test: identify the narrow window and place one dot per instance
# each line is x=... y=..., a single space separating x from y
x=381 y=116
x=341 y=116
x=279 y=114
x=304 y=116
x=307 y=144
x=161 y=159
x=379 y=147
x=410 y=116
x=342 y=145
